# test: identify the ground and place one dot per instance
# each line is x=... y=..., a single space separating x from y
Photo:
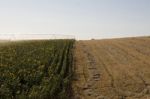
x=112 y=69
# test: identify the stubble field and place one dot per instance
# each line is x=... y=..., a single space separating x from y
x=112 y=69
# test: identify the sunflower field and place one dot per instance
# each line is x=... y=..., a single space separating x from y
x=39 y=69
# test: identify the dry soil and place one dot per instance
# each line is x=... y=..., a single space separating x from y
x=112 y=69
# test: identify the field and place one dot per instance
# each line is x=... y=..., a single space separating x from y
x=35 y=69
x=65 y=69
x=112 y=69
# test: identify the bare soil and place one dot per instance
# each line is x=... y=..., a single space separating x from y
x=112 y=69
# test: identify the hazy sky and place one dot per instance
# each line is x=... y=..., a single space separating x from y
x=83 y=18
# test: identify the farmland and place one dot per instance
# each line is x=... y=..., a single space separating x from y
x=35 y=69
x=112 y=69
x=85 y=69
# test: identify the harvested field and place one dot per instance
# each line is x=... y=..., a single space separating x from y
x=112 y=69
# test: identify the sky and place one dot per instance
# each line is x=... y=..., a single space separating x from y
x=84 y=19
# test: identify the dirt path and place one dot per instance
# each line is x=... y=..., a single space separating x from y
x=112 y=69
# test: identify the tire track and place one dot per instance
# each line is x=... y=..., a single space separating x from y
x=113 y=69
x=122 y=93
x=94 y=75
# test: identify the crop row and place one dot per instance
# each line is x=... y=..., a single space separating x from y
x=36 y=69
